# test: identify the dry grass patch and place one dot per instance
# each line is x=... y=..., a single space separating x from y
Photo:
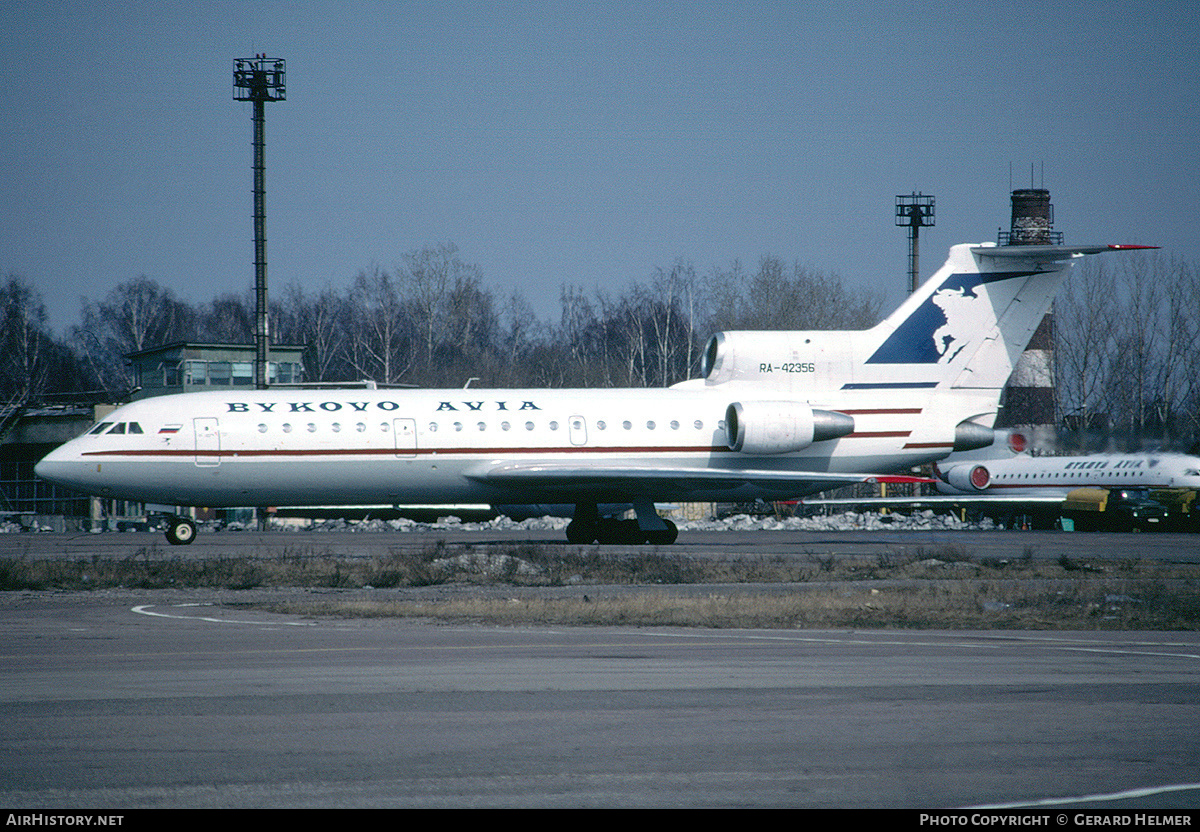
x=1055 y=605
x=933 y=588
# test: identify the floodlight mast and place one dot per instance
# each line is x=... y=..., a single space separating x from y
x=260 y=80
x=914 y=211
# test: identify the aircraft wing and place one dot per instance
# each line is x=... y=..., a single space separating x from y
x=942 y=499
x=635 y=479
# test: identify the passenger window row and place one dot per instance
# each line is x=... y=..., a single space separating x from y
x=458 y=427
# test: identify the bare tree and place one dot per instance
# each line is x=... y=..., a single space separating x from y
x=33 y=363
x=322 y=324
x=22 y=368
x=380 y=341
x=228 y=319
x=1083 y=346
x=134 y=316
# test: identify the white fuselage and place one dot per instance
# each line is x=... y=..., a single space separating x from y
x=1053 y=477
x=352 y=446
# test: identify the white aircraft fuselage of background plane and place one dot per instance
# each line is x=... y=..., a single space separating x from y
x=1025 y=478
x=776 y=415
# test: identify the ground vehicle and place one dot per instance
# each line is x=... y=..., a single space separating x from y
x=1183 y=508
x=1114 y=509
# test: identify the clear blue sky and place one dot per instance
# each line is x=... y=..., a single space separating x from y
x=576 y=142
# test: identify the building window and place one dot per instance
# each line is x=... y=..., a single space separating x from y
x=195 y=373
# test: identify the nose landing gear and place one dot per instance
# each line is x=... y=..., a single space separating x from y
x=180 y=531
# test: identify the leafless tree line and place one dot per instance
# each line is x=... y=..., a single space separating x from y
x=431 y=321
x=1127 y=353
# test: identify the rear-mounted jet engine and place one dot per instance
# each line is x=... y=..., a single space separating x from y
x=781 y=427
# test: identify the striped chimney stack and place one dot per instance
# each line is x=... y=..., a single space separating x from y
x=1029 y=397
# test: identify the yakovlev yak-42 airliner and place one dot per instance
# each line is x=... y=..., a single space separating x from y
x=777 y=415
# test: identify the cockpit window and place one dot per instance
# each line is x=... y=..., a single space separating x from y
x=118 y=428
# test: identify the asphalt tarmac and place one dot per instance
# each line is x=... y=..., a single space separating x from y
x=121 y=699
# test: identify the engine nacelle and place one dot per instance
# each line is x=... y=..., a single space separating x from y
x=968 y=477
x=781 y=427
x=969 y=436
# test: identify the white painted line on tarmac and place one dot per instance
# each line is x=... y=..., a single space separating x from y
x=957 y=641
x=1128 y=794
x=146 y=609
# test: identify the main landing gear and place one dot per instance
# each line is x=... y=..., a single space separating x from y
x=180 y=531
x=589 y=527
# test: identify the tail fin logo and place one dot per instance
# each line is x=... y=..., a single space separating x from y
x=947 y=320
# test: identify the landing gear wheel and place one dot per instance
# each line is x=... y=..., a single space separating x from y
x=664 y=537
x=181 y=532
x=620 y=532
x=581 y=532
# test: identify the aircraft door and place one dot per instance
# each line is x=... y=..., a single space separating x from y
x=208 y=442
x=578 y=430
x=406 y=437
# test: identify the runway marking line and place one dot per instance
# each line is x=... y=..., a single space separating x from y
x=145 y=609
x=1074 y=645
x=1128 y=794
x=971 y=642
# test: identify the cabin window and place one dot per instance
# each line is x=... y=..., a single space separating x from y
x=287 y=428
x=554 y=426
x=482 y=427
x=699 y=425
x=262 y=428
x=600 y=425
x=650 y=425
x=529 y=426
x=433 y=427
x=360 y=427
x=627 y=425
x=458 y=426
x=505 y=426
x=674 y=425
x=337 y=427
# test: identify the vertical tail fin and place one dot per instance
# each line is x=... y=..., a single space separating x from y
x=968 y=324
x=965 y=327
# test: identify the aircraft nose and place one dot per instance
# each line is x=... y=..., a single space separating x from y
x=61 y=466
